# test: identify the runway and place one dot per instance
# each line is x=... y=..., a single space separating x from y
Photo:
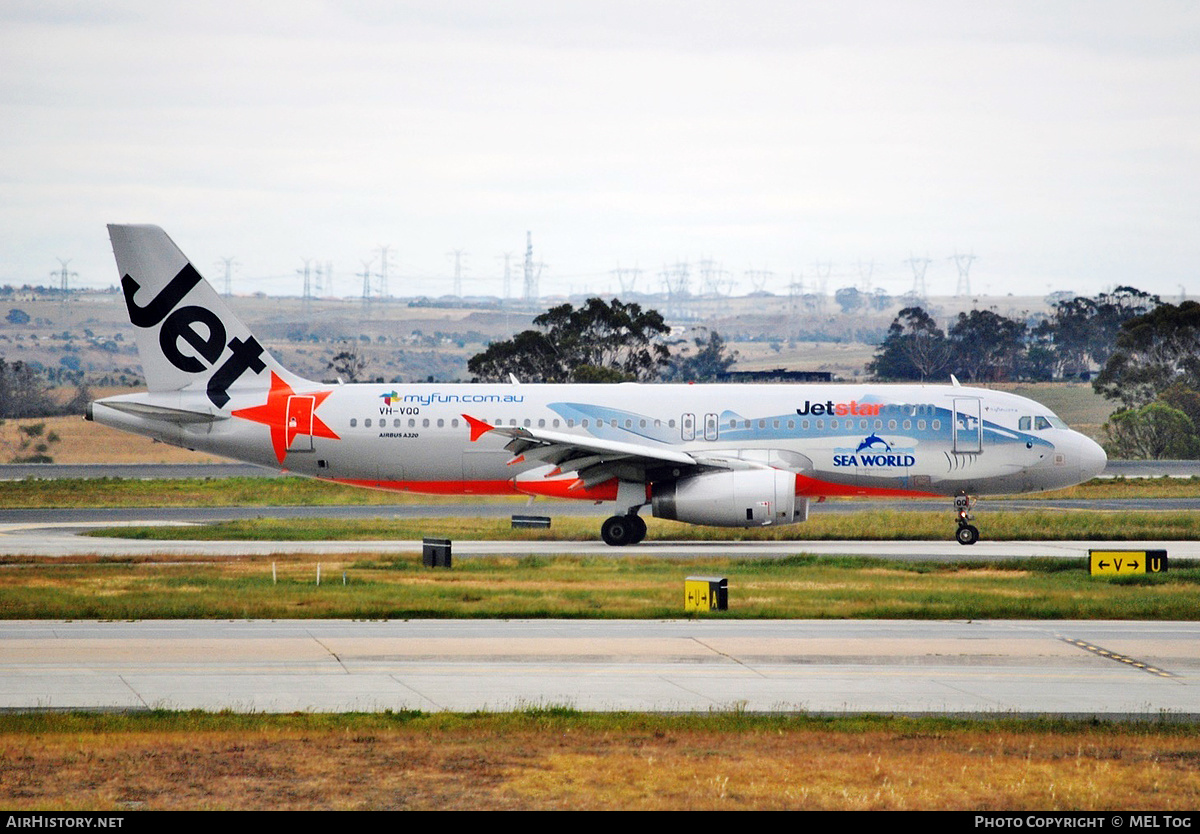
x=1102 y=669
x=1088 y=669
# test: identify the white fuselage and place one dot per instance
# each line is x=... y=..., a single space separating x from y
x=728 y=455
x=841 y=439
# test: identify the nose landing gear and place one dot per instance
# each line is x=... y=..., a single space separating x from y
x=967 y=533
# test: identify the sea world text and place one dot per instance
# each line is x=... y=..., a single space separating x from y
x=874 y=460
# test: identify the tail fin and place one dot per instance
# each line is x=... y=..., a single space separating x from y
x=187 y=336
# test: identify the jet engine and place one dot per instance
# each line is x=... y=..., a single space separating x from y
x=738 y=498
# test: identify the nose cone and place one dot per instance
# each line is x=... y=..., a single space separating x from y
x=1092 y=459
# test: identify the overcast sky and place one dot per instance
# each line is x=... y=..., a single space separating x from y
x=1059 y=142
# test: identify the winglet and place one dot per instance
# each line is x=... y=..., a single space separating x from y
x=478 y=427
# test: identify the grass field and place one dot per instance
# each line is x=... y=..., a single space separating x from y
x=553 y=758
x=370 y=586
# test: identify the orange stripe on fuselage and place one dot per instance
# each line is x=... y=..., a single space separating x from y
x=559 y=488
x=570 y=488
x=607 y=491
x=811 y=488
x=435 y=487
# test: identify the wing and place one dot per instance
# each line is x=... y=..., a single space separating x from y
x=593 y=460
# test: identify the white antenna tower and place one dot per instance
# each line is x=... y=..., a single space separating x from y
x=533 y=272
x=384 y=260
x=507 y=275
x=458 y=270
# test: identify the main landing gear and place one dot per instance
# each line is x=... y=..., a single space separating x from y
x=621 y=530
x=967 y=532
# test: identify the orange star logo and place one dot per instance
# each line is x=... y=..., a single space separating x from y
x=288 y=415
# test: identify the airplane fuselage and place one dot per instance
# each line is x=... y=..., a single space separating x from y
x=728 y=455
x=924 y=439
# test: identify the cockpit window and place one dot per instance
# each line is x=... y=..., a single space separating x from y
x=1040 y=423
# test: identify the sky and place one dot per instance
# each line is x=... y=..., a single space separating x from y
x=1057 y=142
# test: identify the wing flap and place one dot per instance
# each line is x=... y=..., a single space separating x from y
x=576 y=453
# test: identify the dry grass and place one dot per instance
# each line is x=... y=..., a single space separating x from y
x=558 y=761
x=390 y=587
x=84 y=442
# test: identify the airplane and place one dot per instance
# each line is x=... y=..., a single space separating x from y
x=721 y=455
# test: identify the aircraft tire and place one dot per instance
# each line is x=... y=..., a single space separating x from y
x=617 y=531
x=639 y=529
x=967 y=534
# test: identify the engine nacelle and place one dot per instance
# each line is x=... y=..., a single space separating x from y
x=740 y=498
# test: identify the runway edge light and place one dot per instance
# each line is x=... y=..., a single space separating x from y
x=1126 y=562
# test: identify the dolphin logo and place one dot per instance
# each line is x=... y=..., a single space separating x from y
x=871 y=441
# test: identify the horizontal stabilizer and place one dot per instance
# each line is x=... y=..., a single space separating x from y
x=158 y=412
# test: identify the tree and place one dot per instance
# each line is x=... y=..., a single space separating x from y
x=16 y=316
x=24 y=392
x=849 y=299
x=1155 y=432
x=1154 y=351
x=572 y=345
x=711 y=359
x=987 y=346
x=914 y=348
x=1083 y=331
x=349 y=364
x=1183 y=398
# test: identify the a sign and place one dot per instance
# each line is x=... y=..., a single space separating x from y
x=1127 y=562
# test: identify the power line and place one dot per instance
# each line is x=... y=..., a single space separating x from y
x=458 y=271
x=64 y=275
x=963 y=262
x=229 y=264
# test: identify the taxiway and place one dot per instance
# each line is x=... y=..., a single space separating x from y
x=1094 y=669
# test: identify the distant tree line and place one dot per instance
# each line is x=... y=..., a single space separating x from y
x=1147 y=352
x=602 y=341
x=983 y=346
x=1154 y=373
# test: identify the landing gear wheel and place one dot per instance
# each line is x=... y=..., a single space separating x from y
x=967 y=533
x=618 y=531
x=639 y=528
